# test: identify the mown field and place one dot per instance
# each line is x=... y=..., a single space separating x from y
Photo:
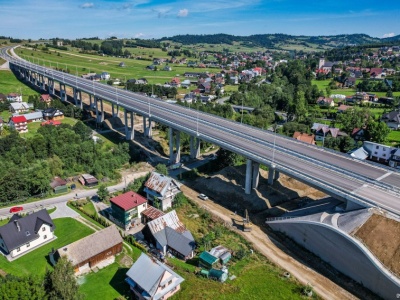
x=10 y=84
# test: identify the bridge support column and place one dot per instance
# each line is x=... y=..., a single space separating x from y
x=247 y=187
x=96 y=108
x=112 y=110
x=350 y=205
x=90 y=101
x=132 y=133
x=126 y=122
x=43 y=83
x=102 y=111
x=75 y=92
x=144 y=125
x=171 y=145
x=174 y=157
x=194 y=147
x=271 y=172
x=276 y=176
x=178 y=146
x=256 y=175
x=149 y=130
x=80 y=100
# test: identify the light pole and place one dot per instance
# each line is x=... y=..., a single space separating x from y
x=197 y=125
x=116 y=94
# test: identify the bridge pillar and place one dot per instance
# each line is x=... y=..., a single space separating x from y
x=271 y=172
x=96 y=108
x=101 y=111
x=75 y=92
x=194 y=147
x=90 y=101
x=43 y=83
x=256 y=175
x=144 y=125
x=247 y=187
x=112 y=110
x=276 y=176
x=171 y=145
x=132 y=133
x=80 y=100
x=178 y=146
x=126 y=122
x=149 y=130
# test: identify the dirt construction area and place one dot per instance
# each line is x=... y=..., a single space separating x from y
x=228 y=201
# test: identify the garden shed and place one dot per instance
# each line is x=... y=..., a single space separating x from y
x=206 y=260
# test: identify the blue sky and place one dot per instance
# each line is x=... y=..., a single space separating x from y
x=156 y=18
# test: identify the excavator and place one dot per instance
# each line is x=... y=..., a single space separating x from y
x=247 y=225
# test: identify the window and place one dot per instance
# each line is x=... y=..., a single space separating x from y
x=163 y=287
x=27 y=233
x=44 y=228
x=18 y=249
x=377 y=147
x=28 y=245
x=169 y=282
x=45 y=237
x=375 y=152
x=383 y=155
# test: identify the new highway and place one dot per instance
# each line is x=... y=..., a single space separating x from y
x=335 y=173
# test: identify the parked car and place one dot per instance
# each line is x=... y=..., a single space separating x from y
x=203 y=197
x=16 y=209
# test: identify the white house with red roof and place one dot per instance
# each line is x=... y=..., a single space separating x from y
x=14 y=97
x=127 y=208
x=19 y=123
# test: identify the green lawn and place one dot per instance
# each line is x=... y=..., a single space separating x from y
x=108 y=283
x=34 y=126
x=67 y=231
x=10 y=84
x=394 y=136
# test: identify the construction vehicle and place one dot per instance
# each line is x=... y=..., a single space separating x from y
x=247 y=225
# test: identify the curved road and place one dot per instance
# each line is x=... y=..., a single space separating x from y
x=335 y=173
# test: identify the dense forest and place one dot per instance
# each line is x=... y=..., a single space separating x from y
x=54 y=151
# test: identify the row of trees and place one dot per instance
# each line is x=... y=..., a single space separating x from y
x=54 y=151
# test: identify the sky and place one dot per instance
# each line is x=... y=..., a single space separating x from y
x=150 y=19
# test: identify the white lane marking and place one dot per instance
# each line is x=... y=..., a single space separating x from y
x=359 y=188
x=384 y=176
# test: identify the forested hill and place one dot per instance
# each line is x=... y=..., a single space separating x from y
x=278 y=40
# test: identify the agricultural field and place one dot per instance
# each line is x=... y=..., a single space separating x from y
x=10 y=84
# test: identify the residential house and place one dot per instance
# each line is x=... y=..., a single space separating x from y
x=325 y=66
x=322 y=131
x=53 y=114
x=304 y=137
x=22 y=234
x=36 y=116
x=185 y=83
x=105 y=76
x=59 y=185
x=205 y=87
x=394 y=160
x=167 y=68
x=376 y=152
x=392 y=119
x=19 y=107
x=328 y=102
x=88 y=180
x=14 y=97
x=343 y=108
x=127 y=208
x=161 y=188
x=151 y=213
x=19 y=123
x=149 y=279
x=192 y=74
x=350 y=82
x=376 y=73
x=122 y=64
x=151 y=67
x=168 y=233
x=360 y=134
x=46 y=98
x=176 y=82
x=92 y=251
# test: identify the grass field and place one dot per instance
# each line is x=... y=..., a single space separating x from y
x=67 y=231
x=10 y=84
x=394 y=137
x=83 y=63
x=34 y=126
x=323 y=84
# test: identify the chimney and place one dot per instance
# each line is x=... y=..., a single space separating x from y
x=17 y=224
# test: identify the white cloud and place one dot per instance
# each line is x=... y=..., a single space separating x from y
x=87 y=5
x=139 y=35
x=386 y=35
x=183 y=13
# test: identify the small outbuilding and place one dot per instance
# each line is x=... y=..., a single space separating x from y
x=218 y=275
x=222 y=253
x=206 y=260
x=88 y=180
x=59 y=185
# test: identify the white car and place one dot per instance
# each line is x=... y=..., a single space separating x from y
x=203 y=197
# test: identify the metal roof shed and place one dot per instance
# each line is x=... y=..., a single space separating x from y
x=206 y=260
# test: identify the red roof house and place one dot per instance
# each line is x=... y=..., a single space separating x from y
x=19 y=123
x=127 y=209
x=304 y=137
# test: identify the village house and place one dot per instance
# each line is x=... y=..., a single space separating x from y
x=167 y=233
x=151 y=213
x=394 y=160
x=322 y=131
x=19 y=123
x=392 y=119
x=374 y=151
x=22 y=234
x=45 y=98
x=96 y=250
x=150 y=279
x=161 y=188
x=14 y=97
x=50 y=123
x=126 y=209
x=52 y=114
x=304 y=137
x=19 y=107
x=36 y=116
x=328 y=102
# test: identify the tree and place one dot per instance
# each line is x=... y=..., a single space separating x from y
x=378 y=131
x=103 y=193
x=162 y=169
x=60 y=283
x=13 y=287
